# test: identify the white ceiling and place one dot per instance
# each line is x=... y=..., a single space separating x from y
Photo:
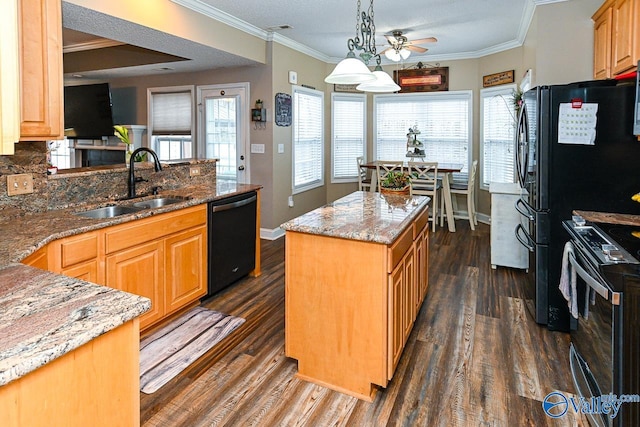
x=464 y=28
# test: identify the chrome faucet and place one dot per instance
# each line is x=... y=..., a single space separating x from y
x=132 y=178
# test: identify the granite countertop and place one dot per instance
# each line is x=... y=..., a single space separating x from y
x=362 y=215
x=44 y=315
x=609 y=218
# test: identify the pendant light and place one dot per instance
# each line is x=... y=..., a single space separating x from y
x=352 y=70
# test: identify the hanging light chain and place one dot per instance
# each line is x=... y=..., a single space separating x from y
x=366 y=28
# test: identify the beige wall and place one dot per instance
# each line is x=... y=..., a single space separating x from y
x=558 y=48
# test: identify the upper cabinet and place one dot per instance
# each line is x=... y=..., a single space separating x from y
x=40 y=37
x=9 y=77
x=616 y=38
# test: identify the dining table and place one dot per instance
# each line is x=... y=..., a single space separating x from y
x=444 y=171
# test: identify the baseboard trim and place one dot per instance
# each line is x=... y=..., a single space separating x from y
x=271 y=234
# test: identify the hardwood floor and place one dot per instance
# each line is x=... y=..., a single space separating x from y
x=474 y=358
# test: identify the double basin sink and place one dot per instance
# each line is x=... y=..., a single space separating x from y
x=117 y=210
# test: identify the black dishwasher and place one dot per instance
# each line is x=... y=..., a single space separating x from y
x=232 y=239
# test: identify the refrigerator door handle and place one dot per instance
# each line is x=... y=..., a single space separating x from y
x=522 y=146
x=525 y=210
x=527 y=241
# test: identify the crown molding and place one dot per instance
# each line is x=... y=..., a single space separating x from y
x=94 y=44
x=218 y=15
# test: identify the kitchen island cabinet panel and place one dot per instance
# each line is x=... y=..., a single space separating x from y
x=96 y=384
x=38 y=259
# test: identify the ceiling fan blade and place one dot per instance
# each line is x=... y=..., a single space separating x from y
x=427 y=40
x=417 y=49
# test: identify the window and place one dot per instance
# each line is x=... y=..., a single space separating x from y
x=444 y=121
x=308 y=139
x=497 y=135
x=348 y=135
x=171 y=122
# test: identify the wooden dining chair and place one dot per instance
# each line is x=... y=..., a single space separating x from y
x=469 y=191
x=383 y=167
x=424 y=181
x=364 y=183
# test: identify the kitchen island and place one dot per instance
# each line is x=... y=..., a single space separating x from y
x=356 y=273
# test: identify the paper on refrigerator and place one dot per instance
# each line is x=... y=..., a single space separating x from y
x=577 y=125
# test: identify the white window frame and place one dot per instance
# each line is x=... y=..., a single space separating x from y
x=506 y=93
x=347 y=97
x=296 y=189
x=172 y=89
x=407 y=123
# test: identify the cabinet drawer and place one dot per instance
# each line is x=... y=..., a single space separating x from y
x=144 y=230
x=77 y=249
x=399 y=248
x=420 y=222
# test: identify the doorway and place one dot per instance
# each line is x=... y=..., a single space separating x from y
x=223 y=113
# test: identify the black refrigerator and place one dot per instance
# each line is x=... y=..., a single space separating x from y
x=593 y=172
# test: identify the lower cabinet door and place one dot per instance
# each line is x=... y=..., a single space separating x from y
x=186 y=268
x=85 y=271
x=396 y=318
x=140 y=270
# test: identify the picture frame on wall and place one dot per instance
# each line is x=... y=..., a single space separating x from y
x=422 y=79
x=283 y=109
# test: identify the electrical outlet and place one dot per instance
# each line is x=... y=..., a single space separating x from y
x=194 y=171
x=19 y=184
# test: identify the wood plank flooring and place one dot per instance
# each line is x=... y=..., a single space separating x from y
x=475 y=357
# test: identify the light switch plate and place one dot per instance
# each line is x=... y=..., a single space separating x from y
x=293 y=77
x=19 y=184
x=257 y=148
x=280 y=148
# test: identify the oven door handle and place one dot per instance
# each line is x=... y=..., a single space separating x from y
x=593 y=283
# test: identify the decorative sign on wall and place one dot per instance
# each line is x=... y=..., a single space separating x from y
x=346 y=88
x=283 y=109
x=498 y=79
x=423 y=79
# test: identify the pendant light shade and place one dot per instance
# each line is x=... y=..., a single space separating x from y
x=382 y=83
x=350 y=71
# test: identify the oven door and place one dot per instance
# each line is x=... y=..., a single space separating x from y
x=592 y=350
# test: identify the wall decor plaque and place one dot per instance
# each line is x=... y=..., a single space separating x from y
x=422 y=79
x=496 y=79
x=283 y=109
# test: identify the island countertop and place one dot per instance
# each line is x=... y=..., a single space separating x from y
x=44 y=315
x=362 y=215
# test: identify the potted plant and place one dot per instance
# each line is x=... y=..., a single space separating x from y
x=395 y=182
x=259 y=104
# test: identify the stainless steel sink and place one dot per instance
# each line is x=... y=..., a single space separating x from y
x=109 y=211
x=158 y=202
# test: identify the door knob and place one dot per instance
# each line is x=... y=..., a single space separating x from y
x=241 y=167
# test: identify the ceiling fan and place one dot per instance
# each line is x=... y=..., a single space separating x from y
x=400 y=47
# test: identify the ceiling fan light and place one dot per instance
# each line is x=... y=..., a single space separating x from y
x=382 y=83
x=392 y=55
x=350 y=71
x=404 y=53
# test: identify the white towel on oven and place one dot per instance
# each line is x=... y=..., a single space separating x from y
x=568 y=280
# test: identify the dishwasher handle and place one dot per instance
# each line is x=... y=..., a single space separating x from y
x=233 y=205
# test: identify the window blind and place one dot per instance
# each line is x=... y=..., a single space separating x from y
x=308 y=139
x=497 y=135
x=349 y=135
x=171 y=112
x=444 y=121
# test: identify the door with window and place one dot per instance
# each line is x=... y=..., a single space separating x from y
x=223 y=117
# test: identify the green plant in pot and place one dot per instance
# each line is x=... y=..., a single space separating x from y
x=395 y=181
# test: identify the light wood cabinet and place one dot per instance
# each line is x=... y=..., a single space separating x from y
x=140 y=270
x=40 y=49
x=347 y=322
x=163 y=258
x=96 y=384
x=616 y=38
